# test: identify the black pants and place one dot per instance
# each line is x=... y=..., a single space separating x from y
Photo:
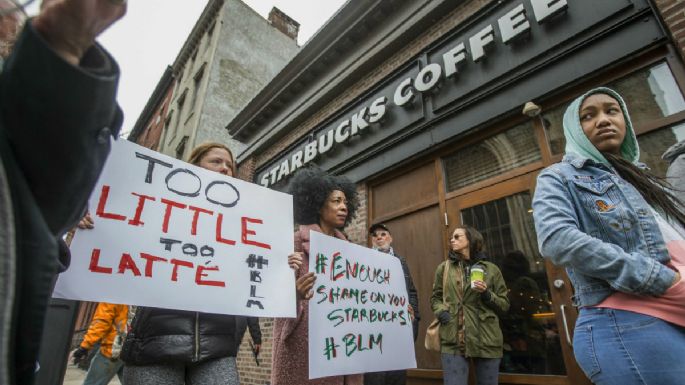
x=395 y=377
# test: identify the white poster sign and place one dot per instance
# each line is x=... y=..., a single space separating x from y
x=358 y=317
x=172 y=235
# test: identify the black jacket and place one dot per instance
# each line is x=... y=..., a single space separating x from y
x=56 y=121
x=412 y=293
x=164 y=336
x=242 y=323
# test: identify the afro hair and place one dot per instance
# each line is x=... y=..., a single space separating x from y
x=310 y=188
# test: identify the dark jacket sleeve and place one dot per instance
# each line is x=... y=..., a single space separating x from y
x=411 y=289
x=255 y=330
x=58 y=120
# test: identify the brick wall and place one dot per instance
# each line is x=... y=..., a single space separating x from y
x=356 y=230
x=250 y=373
x=246 y=169
x=152 y=133
x=673 y=13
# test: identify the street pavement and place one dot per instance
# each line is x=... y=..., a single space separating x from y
x=75 y=376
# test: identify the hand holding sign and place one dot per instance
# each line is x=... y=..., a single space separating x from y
x=173 y=235
x=360 y=297
x=304 y=286
x=295 y=260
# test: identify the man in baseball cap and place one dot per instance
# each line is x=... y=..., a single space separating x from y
x=381 y=240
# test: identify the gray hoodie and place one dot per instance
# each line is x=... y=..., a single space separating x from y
x=676 y=171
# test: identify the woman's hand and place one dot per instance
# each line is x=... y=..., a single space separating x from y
x=295 y=260
x=444 y=317
x=86 y=222
x=304 y=286
x=411 y=313
x=480 y=286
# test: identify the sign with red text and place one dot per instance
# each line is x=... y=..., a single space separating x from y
x=172 y=235
x=358 y=317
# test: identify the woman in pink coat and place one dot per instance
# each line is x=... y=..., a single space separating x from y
x=323 y=203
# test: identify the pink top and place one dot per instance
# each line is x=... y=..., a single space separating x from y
x=670 y=306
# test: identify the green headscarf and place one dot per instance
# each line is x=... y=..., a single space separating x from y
x=578 y=143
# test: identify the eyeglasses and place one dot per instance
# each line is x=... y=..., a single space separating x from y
x=457 y=236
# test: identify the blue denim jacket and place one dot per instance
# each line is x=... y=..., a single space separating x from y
x=599 y=227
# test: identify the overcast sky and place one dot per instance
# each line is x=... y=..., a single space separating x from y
x=149 y=37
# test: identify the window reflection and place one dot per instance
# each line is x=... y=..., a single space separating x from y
x=511 y=149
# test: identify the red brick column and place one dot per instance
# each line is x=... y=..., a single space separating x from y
x=673 y=14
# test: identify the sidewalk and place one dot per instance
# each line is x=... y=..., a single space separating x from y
x=75 y=376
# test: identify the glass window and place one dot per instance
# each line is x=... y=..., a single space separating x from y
x=650 y=94
x=531 y=336
x=511 y=149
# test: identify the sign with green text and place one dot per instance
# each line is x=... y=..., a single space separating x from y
x=358 y=317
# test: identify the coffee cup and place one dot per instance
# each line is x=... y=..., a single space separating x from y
x=477 y=274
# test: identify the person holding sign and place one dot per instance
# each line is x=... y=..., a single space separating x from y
x=322 y=203
x=382 y=241
x=467 y=307
x=166 y=346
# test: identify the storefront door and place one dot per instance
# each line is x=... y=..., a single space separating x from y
x=538 y=329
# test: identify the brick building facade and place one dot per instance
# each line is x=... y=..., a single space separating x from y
x=402 y=164
x=230 y=54
x=147 y=131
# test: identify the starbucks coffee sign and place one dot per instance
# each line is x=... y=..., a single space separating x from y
x=513 y=26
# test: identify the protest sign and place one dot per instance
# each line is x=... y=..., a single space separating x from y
x=358 y=317
x=172 y=235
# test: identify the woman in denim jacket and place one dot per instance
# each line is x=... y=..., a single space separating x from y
x=618 y=231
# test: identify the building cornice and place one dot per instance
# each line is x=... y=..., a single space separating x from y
x=192 y=42
x=359 y=37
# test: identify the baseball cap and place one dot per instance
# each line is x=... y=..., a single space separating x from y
x=376 y=227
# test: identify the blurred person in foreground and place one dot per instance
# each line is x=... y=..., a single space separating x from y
x=12 y=18
x=57 y=114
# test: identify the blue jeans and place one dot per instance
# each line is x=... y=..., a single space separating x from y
x=102 y=370
x=617 y=347
x=455 y=370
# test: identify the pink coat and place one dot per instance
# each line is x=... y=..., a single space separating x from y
x=290 y=347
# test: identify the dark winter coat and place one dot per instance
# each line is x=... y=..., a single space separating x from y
x=164 y=336
x=242 y=323
x=56 y=122
x=412 y=293
x=483 y=336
